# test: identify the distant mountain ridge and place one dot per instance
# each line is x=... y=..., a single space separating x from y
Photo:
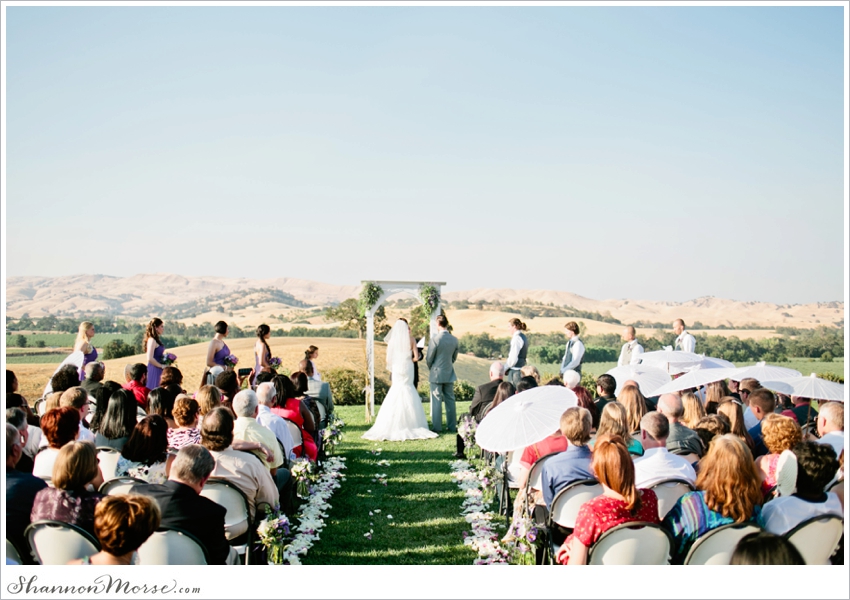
x=147 y=294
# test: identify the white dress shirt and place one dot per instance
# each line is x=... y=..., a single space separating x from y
x=834 y=439
x=278 y=427
x=750 y=419
x=513 y=355
x=657 y=464
x=686 y=342
x=637 y=350
x=577 y=354
x=783 y=514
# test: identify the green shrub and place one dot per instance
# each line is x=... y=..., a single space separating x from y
x=831 y=377
x=464 y=391
x=21 y=341
x=826 y=356
x=588 y=382
x=347 y=386
x=40 y=344
x=117 y=349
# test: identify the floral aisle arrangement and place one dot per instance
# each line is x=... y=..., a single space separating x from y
x=304 y=473
x=231 y=361
x=332 y=434
x=475 y=509
x=273 y=533
x=466 y=430
x=523 y=536
x=168 y=359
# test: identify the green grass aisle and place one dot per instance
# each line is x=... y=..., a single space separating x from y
x=426 y=526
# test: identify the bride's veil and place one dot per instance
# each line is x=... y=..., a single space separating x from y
x=398 y=345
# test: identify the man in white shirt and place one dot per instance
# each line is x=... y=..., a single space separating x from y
x=657 y=464
x=266 y=394
x=831 y=425
x=631 y=350
x=574 y=352
x=685 y=341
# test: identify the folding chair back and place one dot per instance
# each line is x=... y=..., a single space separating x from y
x=295 y=432
x=57 y=543
x=323 y=414
x=568 y=501
x=12 y=553
x=817 y=538
x=637 y=543
x=535 y=478
x=226 y=494
x=119 y=485
x=668 y=493
x=40 y=407
x=172 y=546
x=716 y=546
x=108 y=459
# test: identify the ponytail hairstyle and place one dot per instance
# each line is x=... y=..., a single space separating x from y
x=308 y=353
x=614 y=469
x=262 y=331
x=518 y=324
x=150 y=332
x=82 y=341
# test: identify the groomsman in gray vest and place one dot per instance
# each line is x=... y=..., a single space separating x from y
x=574 y=351
x=441 y=356
x=631 y=350
x=685 y=341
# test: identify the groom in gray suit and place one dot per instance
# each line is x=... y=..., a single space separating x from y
x=442 y=353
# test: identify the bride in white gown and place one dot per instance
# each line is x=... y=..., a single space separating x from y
x=401 y=416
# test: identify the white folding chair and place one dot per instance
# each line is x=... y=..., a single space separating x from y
x=12 y=553
x=57 y=543
x=172 y=546
x=668 y=493
x=535 y=478
x=568 y=501
x=295 y=432
x=213 y=373
x=716 y=546
x=323 y=414
x=637 y=543
x=119 y=485
x=40 y=406
x=817 y=538
x=140 y=414
x=237 y=520
x=108 y=459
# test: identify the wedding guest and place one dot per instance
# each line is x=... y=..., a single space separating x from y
x=631 y=350
x=69 y=501
x=65 y=377
x=290 y=407
x=681 y=440
x=138 y=384
x=161 y=402
x=727 y=492
x=762 y=403
x=606 y=386
x=614 y=421
x=621 y=502
x=657 y=463
x=685 y=342
x=18 y=419
x=229 y=384
x=267 y=396
x=572 y=381
x=574 y=351
x=154 y=350
x=208 y=397
x=60 y=426
x=830 y=425
x=122 y=524
x=503 y=391
x=51 y=401
x=101 y=398
x=714 y=393
x=764 y=548
x=635 y=405
x=171 y=376
x=710 y=426
x=83 y=344
x=572 y=464
x=803 y=410
x=246 y=406
x=816 y=467
x=779 y=433
x=486 y=393
x=730 y=407
x=299 y=380
x=746 y=387
x=262 y=352
x=94 y=374
x=311 y=354
x=78 y=399
x=118 y=422
x=186 y=411
x=144 y=455
x=525 y=383
x=15 y=400
x=530 y=371
x=693 y=410
x=518 y=352
x=21 y=490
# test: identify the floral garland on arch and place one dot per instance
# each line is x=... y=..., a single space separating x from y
x=430 y=297
x=478 y=492
x=369 y=296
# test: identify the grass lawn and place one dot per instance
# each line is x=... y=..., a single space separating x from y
x=424 y=501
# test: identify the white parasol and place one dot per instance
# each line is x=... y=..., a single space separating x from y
x=524 y=419
x=763 y=372
x=648 y=378
x=696 y=378
x=812 y=387
x=671 y=361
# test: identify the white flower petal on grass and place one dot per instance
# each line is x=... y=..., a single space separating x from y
x=389 y=516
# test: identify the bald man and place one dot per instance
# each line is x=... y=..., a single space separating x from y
x=680 y=440
x=684 y=340
x=631 y=350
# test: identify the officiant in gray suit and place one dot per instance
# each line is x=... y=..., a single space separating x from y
x=440 y=358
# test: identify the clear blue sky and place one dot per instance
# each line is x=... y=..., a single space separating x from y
x=658 y=153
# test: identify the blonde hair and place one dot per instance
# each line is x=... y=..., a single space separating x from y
x=614 y=421
x=208 y=397
x=82 y=342
x=531 y=371
x=635 y=405
x=51 y=401
x=75 y=466
x=728 y=477
x=780 y=433
x=694 y=410
x=576 y=423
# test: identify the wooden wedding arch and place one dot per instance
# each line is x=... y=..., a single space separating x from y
x=414 y=289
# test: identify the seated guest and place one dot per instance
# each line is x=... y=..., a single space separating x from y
x=680 y=440
x=144 y=455
x=265 y=376
x=185 y=412
x=69 y=501
x=171 y=375
x=816 y=466
x=530 y=371
x=119 y=421
x=728 y=492
x=182 y=506
x=208 y=397
x=762 y=403
x=710 y=426
x=485 y=393
x=745 y=388
x=60 y=426
x=831 y=425
x=621 y=502
x=526 y=383
x=246 y=407
x=606 y=386
x=78 y=399
x=100 y=399
x=778 y=434
x=291 y=408
x=15 y=400
x=614 y=422
x=765 y=548
x=138 y=377
x=266 y=396
x=573 y=464
x=803 y=410
x=731 y=408
x=504 y=390
x=65 y=377
x=161 y=402
x=243 y=469
x=572 y=381
x=657 y=463
x=635 y=405
x=552 y=444
x=316 y=388
x=556 y=381
x=21 y=490
x=299 y=380
x=714 y=392
x=95 y=373
x=121 y=525
x=693 y=410
x=18 y=419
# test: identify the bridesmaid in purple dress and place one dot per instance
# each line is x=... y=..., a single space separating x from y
x=154 y=350
x=218 y=350
x=262 y=352
x=83 y=344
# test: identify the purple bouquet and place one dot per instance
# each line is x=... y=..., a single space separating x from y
x=230 y=360
x=274 y=363
x=168 y=359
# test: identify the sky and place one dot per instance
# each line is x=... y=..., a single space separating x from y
x=615 y=152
